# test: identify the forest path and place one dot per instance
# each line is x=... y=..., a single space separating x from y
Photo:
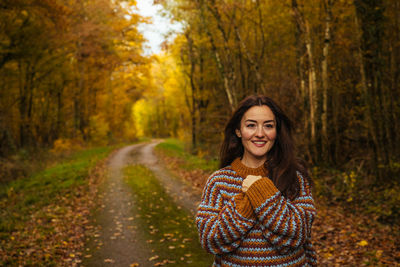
x=180 y=190
x=118 y=240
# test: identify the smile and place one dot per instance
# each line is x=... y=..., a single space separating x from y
x=259 y=143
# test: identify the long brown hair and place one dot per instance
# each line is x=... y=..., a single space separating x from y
x=281 y=163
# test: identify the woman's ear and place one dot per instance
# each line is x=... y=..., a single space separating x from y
x=237 y=131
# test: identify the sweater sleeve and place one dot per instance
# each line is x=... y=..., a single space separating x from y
x=286 y=224
x=222 y=227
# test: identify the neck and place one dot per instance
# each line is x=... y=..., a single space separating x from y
x=244 y=170
x=253 y=162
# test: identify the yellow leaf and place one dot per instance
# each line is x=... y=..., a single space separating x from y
x=153 y=258
x=379 y=253
x=328 y=255
x=135 y=264
x=362 y=243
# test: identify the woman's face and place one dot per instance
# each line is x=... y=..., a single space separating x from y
x=258 y=133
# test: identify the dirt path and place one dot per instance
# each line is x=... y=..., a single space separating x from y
x=118 y=242
x=181 y=191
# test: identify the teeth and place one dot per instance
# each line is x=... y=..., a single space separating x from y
x=259 y=142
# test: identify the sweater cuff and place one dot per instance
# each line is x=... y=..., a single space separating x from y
x=243 y=206
x=260 y=191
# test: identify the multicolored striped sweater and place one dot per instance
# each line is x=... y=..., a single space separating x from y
x=257 y=228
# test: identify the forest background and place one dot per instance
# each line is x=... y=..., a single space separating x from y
x=73 y=73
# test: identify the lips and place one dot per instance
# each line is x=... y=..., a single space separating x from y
x=259 y=143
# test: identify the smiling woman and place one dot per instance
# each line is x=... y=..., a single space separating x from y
x=257 y=210
x=257 y=131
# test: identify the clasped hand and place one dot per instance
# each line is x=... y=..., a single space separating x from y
x=250 y=179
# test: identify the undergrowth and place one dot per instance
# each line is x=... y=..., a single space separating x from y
x=356 y=192
x=21 y=198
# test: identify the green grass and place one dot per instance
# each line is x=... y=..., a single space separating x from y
x=175 y=148
x=172 y=230
x=22 y=197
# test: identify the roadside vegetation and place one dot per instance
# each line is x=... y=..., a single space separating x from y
x=170 y=230
x=44 y=214
x=176 y=149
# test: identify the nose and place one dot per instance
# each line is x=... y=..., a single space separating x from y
x=260 y=132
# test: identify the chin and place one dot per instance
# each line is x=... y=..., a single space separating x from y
x=259 y=156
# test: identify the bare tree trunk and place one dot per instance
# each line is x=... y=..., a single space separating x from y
x=335 y=115
x=369 y=18
x=394 y=79
x=203 y=101
x=254 y=61
x=228 y=74
x=325 y=81
x=312 y=92
x=60 y=106
x=305 y=31
x=253 y=64
x=194 y=90
x=25 y=102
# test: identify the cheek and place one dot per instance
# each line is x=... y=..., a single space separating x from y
x=246 y=134
x=271 y=135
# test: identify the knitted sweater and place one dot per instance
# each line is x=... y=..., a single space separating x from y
x=257 y=228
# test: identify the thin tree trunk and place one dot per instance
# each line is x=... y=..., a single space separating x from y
x=228 y=75
x=254 y=61
x=304 y=28
x=312 y=92
x=369 y=18
x=253 y=64
x=325 y=81
x=194 y=91
x=25 y=102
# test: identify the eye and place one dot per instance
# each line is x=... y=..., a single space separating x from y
x=269 y=125
x=251 y=125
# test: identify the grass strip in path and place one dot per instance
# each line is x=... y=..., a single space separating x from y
x=171 y=231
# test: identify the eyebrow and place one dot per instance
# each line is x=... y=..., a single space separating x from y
x=256 y=121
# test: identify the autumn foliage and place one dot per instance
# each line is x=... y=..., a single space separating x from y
x=69 y=70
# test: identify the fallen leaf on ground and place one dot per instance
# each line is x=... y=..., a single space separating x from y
x=153 y=258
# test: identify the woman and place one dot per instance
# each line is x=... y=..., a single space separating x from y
x=257 y=210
